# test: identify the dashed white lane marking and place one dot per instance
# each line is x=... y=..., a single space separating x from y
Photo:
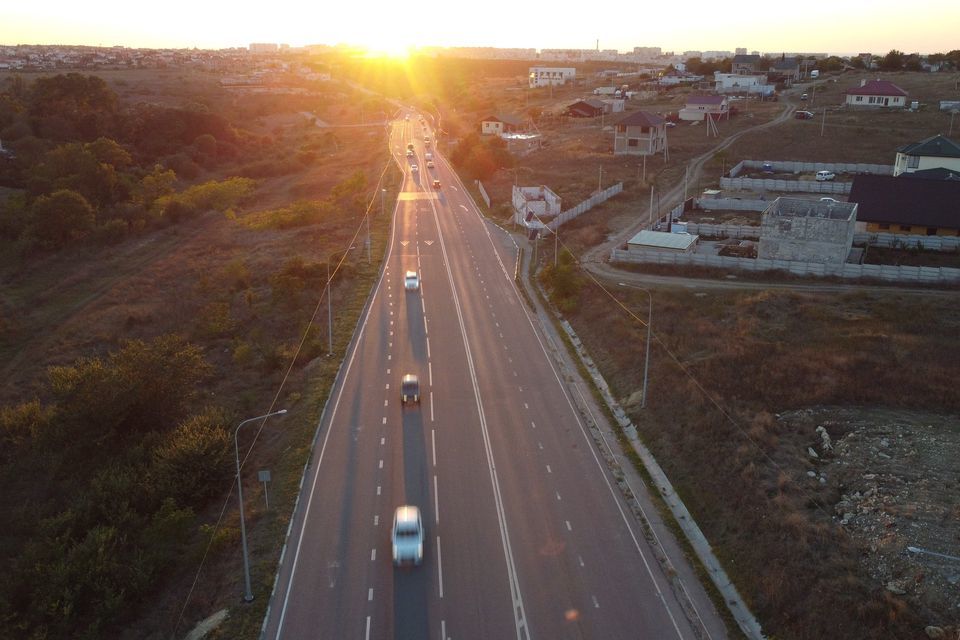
x=540 y=445
x=526 y=406
x=430 y=372
x=370 y=594
x=388 y=371
x=433 y=443
x=559 y=499
x=428 y=347
x=367 y=636
x=533 y=424
x=378 y=489
x=373 y=554
x=596 y=605
x=549 y=470
x=580 y=560
x=381 y=464
x=515 y=374
x=439 y=568
x=388 y=386
x=384 y=420
x=385 y=402
x=436 y=502
x=383 y=441
x=376 y=521
x=390 y=356
x=569 y=528
x=431 y=406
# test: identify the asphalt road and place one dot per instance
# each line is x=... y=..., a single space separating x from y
x=526 y=535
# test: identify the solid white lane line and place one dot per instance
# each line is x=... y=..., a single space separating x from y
x=436 y=502
x=373 y=554
x=367 y=636
x=439 y=568
x=433 y=442
x=430 y=371
x=443 y=630
x=423 y=305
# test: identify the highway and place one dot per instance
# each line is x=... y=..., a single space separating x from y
x=527 y=536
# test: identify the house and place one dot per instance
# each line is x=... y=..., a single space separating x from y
x=876 y=93
x=740 y=84
x=700 y=107
x=908 y=206
x=639 y=134
x=588 y=108
x=499 y=124
x=785 y=70
x=548 y=76
x=807 y=230
x=935 y=152
x=745 y=64
x=673 y=78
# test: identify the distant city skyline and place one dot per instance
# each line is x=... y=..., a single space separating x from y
x=925 y=26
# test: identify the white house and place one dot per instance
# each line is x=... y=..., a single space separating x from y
x=640 y=134
x=737 y=83
x=701 y=107
x=876 y=93
x=499 y=124
x=936 y=152
x=546 y=76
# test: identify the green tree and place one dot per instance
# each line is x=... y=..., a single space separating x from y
x=893 y=61
x=156 y=184
x=194 y=460
x=61 y=218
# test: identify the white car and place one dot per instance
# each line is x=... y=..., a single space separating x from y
x=411 y=282
x=430 y=164
x=414 y=168
x=407 y=536
x=823 y=176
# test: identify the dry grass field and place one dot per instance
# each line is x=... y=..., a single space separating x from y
x=245 y=293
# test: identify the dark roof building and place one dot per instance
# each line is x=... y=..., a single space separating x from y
x=938 y=146
x=588 y=108
x=940 y=173
x=640 y=119
x=898 y=205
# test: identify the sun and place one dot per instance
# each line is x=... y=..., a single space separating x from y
x=386 y=49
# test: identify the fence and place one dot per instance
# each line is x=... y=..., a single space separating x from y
x=927 y=275
x=723 y=230
x=786 y=166
x=771 y=184
x=586 y=205
x=732 y=204
x=893 y=240
x=483 y=193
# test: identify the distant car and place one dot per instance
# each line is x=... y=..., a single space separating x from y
x=407 y=536
x=830 y=200
x=409 y=153
x=436 y=184
x=823 y=176
x=406 y=117
x=426 y=142
x=671 y=125
x=430 y=164
x=803 y=96
x=411 y=282
x=803 y=115
x=414 y=168
x=767 y=167
x=410 y=389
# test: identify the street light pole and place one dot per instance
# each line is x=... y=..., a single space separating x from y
x=329 y=312
x=248 y=593
x=646 y=360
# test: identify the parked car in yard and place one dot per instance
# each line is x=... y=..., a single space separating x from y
x=803 y=115
x=823 y=176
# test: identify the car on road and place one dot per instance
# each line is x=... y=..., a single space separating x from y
x=414 y=168
x=803 y=96
x=426 y=142
x=430 y=164
x=436 y=184
x=830 y=200
x=409 y=389
x=407 y=536
x=409 y=153
x=803 y=115
x=411 y=282
x=823 y=176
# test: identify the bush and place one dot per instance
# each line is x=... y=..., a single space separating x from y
x=194 y=462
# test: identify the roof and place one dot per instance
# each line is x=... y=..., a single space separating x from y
x=938 y=146
x=705 y=99
x=938 y=173
x=885 y=199
x=877 y=88
x=504 y=118
x=745 y=58
x=663 y=240
x=641 y=119
x=787 y=64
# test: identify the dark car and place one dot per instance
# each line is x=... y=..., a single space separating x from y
x=410 y=389
x=803 y=115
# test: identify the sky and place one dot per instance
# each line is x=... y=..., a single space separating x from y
x=843 y=27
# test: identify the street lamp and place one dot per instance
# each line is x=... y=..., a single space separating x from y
x=330 y=301
x=646 y=361
x=248 y=594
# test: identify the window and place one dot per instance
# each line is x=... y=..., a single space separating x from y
x=913 y=162
x=931 y=231
x=905 y=227
x=633 y=142
x=884 y=226
x=859 y=99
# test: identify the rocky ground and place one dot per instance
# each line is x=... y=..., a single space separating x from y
x=895 y=478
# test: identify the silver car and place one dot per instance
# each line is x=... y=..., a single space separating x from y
x=407 y=536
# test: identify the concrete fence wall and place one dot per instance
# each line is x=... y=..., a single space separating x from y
x=585 y=206
x=483 y=193
x=724 y=230
x=732 y=204
x=785 y=166
x=770 y=184
x=928 y=275
x=886 y=240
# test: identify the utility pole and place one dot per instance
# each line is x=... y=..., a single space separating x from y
x=329 y=312
x=823 y=121
x=556 y=244
x=600 y=180
x=644 y=169
x=651 y=206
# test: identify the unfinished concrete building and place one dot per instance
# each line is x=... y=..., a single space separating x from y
x=807 y=230
x=534 y=206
